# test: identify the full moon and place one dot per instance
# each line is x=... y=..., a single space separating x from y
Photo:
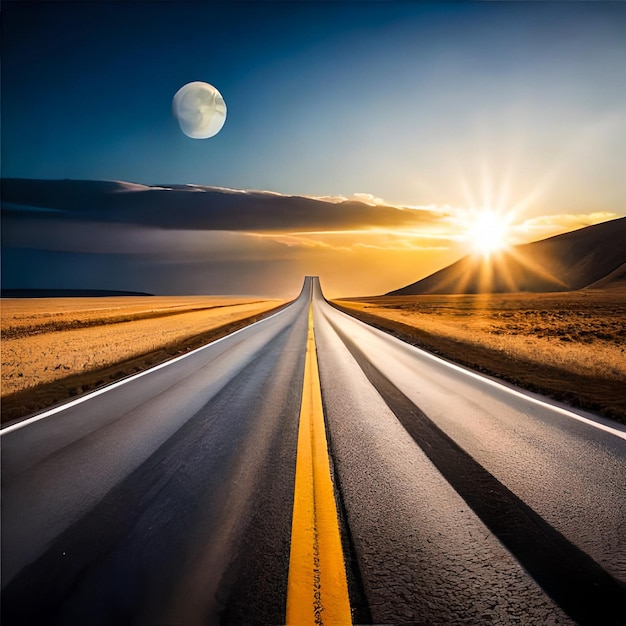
x=199 y=109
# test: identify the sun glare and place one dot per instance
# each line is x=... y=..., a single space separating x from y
x=488 y=232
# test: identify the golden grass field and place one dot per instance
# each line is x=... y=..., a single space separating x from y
x=54 y=347
x=569 y=345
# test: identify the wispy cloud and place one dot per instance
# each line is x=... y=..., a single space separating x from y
x=365 y=198
x=547 y=225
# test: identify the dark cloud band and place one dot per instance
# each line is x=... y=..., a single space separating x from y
x=194 y=207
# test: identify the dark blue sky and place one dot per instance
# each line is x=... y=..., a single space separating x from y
x=518 y=107
x=323 y=98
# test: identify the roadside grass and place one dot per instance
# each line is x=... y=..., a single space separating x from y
x=23 y=317
x=571 y=346
x=53 y=349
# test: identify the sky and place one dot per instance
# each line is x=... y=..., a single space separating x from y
x=436 y=110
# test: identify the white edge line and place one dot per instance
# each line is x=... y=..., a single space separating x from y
x=494 y=383
x=92 y=394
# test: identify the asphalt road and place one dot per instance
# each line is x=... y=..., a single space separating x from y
x=167 y=498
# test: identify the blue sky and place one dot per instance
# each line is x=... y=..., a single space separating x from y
x=445 y=104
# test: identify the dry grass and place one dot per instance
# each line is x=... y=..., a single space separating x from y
x=30 y=316
x=45 y=341
x=570 y=345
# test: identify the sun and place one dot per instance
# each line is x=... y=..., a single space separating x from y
x=488 y=232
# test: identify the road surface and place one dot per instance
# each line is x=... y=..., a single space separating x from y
x=436 y=496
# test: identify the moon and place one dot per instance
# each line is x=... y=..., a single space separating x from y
x=199 y=109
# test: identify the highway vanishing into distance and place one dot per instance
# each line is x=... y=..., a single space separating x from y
x=312 y=469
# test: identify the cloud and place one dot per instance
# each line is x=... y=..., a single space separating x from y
x=298 y=240
x=43 y=233
x=400 y=245
x=365 y=198
x=202 y=239
x=196 y=207
x=352 y=241
x=554 y=224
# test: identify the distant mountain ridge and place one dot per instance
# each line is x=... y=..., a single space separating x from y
x=589 y=256
x=68 y=293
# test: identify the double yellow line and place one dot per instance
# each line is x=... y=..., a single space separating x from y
x=317 y=589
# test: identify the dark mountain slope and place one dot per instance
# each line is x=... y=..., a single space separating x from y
x=561 y=263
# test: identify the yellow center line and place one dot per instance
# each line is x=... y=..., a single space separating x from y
x=317 y=589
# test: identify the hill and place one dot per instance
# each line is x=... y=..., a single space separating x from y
x=614 y=280
x=67 y=293
x=566 y=262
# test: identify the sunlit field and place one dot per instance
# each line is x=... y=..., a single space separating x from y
x=46 y=340
x=570 y=345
